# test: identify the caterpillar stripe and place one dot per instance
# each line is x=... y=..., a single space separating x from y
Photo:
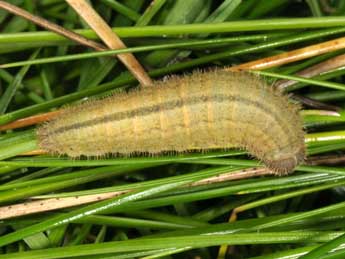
x=201 y=111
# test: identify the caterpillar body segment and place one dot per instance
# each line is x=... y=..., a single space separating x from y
x=201 y=111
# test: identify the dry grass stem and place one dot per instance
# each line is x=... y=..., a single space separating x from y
x=27 y=208
x=30 y=120
x=109 y=37
x=238 y=175
x=291 y=56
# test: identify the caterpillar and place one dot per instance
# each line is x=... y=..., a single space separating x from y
x=200 y=111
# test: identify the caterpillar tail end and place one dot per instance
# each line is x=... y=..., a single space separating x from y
x=286 y=165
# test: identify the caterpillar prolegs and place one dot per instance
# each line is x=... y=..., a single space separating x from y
x=201 y=111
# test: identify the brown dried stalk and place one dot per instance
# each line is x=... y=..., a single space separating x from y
x=28 y=121
x=27 y=208
x=292 y=56
x=109 y=37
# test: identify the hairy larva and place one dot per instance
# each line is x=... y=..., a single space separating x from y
x=201 y=111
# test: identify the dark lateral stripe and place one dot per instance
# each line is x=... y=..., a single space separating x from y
x=143 y=111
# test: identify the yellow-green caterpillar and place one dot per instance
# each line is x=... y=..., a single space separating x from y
x=200 y=111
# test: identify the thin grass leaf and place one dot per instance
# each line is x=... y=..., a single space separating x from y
x=12 y=88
